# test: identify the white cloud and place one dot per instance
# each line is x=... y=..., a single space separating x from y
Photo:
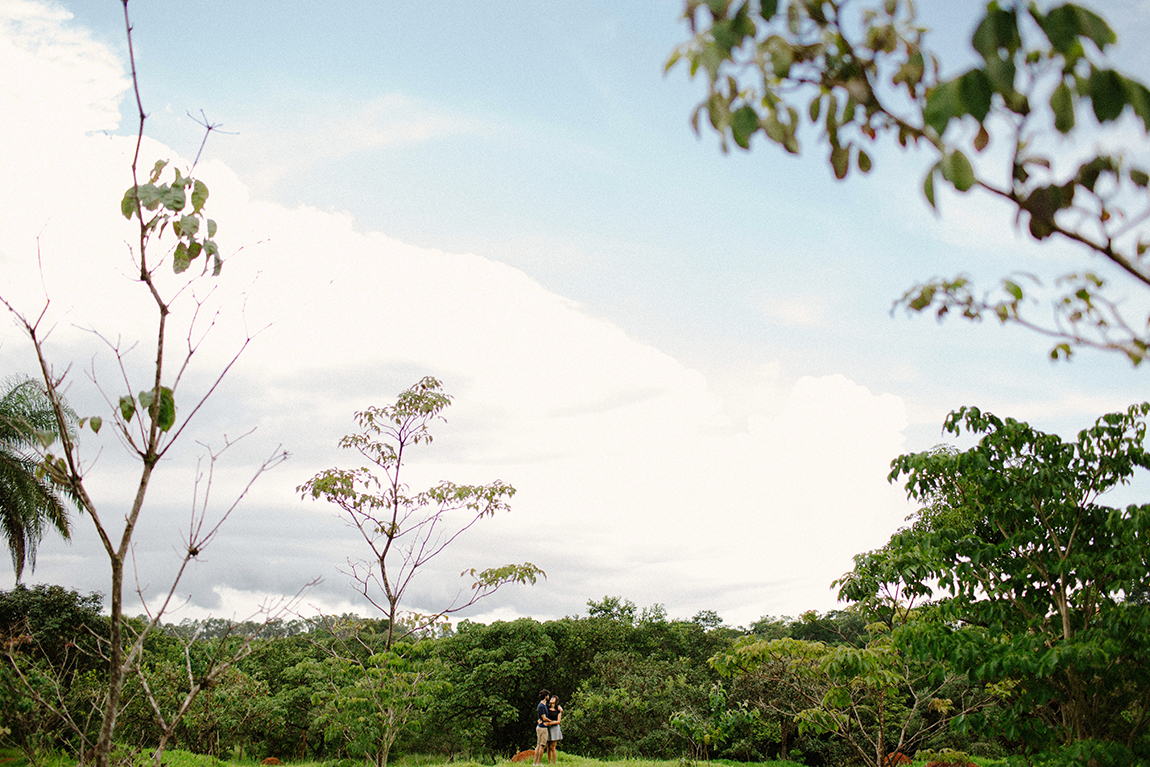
x=322 y=129
x=634 y=476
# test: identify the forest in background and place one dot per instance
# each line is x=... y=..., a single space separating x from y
x=633 y=683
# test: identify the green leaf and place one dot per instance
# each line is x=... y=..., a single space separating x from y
x=768 y=8
x=127 y=407
x=1062 y=103
x=998 y=30
x=199 y=195
x=45 y=436
x=744 y=122
x=1001 y=73
x=840 y=161
x=942 y=103
x=211 y=227
x=146 y=399
x=166 y=416
x=864 y=161
x=181 y=259
x=782 y=55
x=1139 y=177
x=1094 y=27
x=157 y=169
x=1107 y=94
x=188 y=226
x=975 y=91
x=175 y=199
x=1060 y=27
x=1138 y=97
x=128 y=204
x=928 y=185
x=149 y=195
x=96 y=422
x=957 y=170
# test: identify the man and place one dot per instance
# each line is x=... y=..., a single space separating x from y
x=541 y=722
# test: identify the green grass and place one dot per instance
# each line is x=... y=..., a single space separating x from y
x=177 y=758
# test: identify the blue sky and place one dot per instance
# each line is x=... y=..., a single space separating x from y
x=612 y=258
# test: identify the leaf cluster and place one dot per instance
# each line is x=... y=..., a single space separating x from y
x=159 y=205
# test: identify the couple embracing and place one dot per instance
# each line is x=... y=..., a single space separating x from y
x=547 y=732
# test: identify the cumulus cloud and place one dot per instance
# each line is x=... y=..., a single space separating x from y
x=634 y=476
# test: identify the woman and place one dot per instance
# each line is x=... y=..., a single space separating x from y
x=554 y=733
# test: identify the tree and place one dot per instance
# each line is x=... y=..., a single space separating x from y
x=172 y=231
x=874 y=697
x=49 y=639
x=405 y=532
x=28 y=500
x=367 y=694
x=625 y=707
x=1037 y=585
x=493 y=674
x=770 y=65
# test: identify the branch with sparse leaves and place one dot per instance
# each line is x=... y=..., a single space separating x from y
x=859 y=74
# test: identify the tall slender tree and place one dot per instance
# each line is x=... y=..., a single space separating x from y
x=29 y=502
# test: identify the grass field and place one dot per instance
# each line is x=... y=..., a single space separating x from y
x=176 y=758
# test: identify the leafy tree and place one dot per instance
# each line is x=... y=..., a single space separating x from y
x=872 y=697
x=365 y=703
x=625 y=708
x=833 y=627
x=770 y=65
x=59 y=625
x=1031 y=576
x=286 y=662
x=493 y=673
x=576 y=642
x=405 y=532
x=723 y=729
x=28 y=500
x=610 y=608
x=50 y=638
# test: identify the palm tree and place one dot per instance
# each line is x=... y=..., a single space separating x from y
x=28 y=503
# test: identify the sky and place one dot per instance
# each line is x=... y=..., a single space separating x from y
x=683 y=360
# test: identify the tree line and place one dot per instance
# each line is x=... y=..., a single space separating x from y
x=632 y=682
